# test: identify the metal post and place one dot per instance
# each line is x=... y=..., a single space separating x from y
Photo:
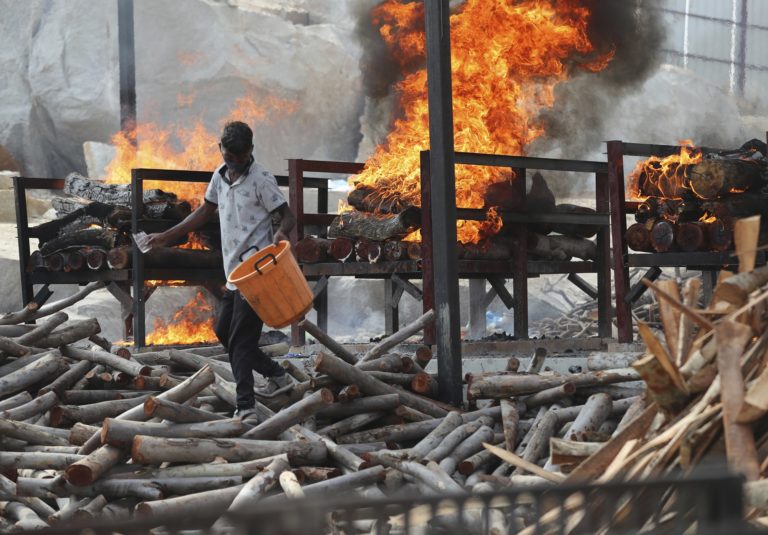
x=741 y=51
x=22 y=227
x=296 y=202
x=139 y=297
x=127 y=61
x=446 y=282
x=619 y=246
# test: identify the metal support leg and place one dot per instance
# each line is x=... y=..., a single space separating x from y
x=477 y=309
x=618 y=229
x=603 y=260
x=710 y=277
x=392 y=294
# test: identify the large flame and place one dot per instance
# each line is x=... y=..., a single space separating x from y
x=193 y=324
x=665 y=176
x=507 y=57
x=176 y=147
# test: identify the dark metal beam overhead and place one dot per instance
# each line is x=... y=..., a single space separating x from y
x=443 y=190
x=127 y=61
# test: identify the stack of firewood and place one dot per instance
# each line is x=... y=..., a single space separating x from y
x=93 y=224
x=693 y=206
x=374 y=230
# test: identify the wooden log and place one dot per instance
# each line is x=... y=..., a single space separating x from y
x=31 y=312
x=290 y=485
x=155 y=407
x=395 y=251
x=415 y=251
x=381 y=403
x=663 y=236
x=33 y=434
x=76 y=330
x=36 y=460
x=107 y=359
x=686 y=328
x=755 y=403
x=96 y=258
x=400 y=379
x=431 y=475
x=469 y=446
x=192 y=361
x=213 y=502
x=411 y=415
x=110 y=194
x=560 y=248
x=732 y=339
x=566 y=452
x=349 y=424
x=600 y=360
x=74 y=260
x=67 y=512
x=114 y=488
x=714 y=178
x=375 y=227
x=400 y=336
x=736 y=289
x=367 y=250
x=538 y=438
x=282 y=420
x=154 y=450
x=68 y=379
x=454 y=438
x=9 y=491
x=425 y=384
x=94 y=237
x=510 y=418
x=42 y=369
x=256 y=488
x=15 y=401
x=244 y=469
x=24 y=518
x=295 y=371
x=54 y=262
x=342 y=249
x=91 y=510
x=348 y=394
x=347 y=374
x=670 y=316
x=32 y=408
x=65 y=415
x=549 y=395
x=595 y=412
x=719 y=235
x=79 y=433
x=368 y=199
x=83 y=397
x=537 y=361
x=488 y=250
x=100 y=460
x=42 y=330
x=120 y=433
x=385 y=363
x=331 y=344
x=638 y=238
x=692 y=236
x=310 y=250
x=504 y=386
x=504 y=195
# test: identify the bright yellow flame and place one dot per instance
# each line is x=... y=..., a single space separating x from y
x=193 y=324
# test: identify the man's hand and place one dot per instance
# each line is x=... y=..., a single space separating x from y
x=157 y=240
x=280 y=236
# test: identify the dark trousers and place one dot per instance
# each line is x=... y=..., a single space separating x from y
x=238 y=328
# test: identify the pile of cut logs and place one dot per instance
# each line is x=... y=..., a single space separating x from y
x=93 y=224
x=370 y=424
x=693 y=206
x=374 y=230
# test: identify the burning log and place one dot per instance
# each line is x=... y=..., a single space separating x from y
x=375 y=227
x=714 y=178
x=368 y=199
x=489 y=250
x=691 y=237
x=342 y=249
x=54 y=262
x=719 y=235
x=74 y=260
x=311 y=250
x=505 y=196
x=96 y=259
x=368 y=251
x=94 y=237
x=110 y=194
x=170 y=257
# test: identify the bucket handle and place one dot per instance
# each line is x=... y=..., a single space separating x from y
x=249 y=248
x=256 y=264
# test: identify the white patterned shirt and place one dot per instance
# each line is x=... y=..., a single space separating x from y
x=244 y=211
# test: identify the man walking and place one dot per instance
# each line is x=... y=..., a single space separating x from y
x=246 y=196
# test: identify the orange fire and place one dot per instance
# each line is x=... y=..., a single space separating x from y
x=193 y=324
x=507 y=58
x=667 y=176
x=176 y=147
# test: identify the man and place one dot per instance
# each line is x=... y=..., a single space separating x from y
x=246 y=196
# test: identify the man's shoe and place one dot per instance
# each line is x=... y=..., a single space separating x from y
x=276 y=384
x=245 y=414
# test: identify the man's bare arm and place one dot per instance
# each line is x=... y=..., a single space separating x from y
x=192 y=222
x=287 y=222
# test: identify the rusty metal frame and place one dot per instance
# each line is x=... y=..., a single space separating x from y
x=708 y=262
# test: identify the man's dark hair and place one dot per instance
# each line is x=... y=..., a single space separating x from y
x=237 y=137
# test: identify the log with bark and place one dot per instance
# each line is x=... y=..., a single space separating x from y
x=311 y=250
x=375 y=227
x=93 y=237
x=111 y=194
x=166 y=257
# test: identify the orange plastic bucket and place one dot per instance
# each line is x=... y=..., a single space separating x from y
x=273 y=285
